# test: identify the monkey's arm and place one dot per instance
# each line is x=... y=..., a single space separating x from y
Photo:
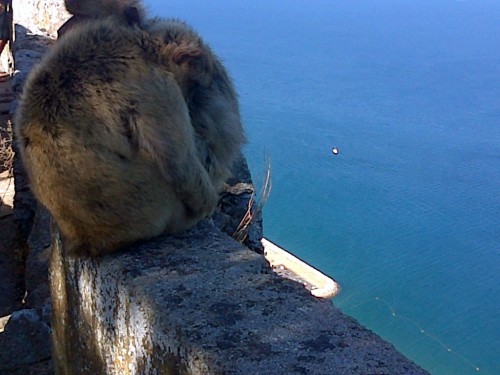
x=164 y=134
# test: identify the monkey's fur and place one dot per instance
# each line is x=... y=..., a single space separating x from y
x=129 y=12
x=128 y=132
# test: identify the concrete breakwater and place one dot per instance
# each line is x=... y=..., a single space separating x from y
x=289 y=266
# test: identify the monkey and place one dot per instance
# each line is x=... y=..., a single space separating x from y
x=127 y=131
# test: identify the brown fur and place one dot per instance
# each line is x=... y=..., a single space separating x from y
x=126 y=133
x=128 y=12
x=208 y=90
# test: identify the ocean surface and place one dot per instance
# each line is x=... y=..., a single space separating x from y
x=407 y=216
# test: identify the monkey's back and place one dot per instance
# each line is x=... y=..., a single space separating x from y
x=106 y=139
x=209 y=92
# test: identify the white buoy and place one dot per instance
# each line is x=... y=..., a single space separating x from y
x=335 y=151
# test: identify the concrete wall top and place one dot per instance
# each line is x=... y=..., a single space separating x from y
x=202 y=304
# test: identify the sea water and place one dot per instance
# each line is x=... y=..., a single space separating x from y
x=407 y=216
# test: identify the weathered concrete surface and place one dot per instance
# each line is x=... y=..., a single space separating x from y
x=201 y=304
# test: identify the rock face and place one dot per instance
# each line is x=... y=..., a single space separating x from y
x=35 y=27
x=201 y=303
x=26 y=336
x=25 y=339
x=46 y=16
x=234 y=203
x=33 y=221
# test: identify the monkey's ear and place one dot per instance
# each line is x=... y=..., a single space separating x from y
x=195 y=60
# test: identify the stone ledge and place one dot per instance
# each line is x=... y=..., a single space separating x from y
x=201 y=304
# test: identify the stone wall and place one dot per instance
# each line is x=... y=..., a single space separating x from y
x=25 y=340
x=201 y=303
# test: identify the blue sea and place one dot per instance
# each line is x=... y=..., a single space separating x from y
x=407 y=216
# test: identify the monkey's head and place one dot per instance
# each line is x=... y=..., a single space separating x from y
x=131 y=12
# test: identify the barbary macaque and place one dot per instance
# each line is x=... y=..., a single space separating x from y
x=127 y=129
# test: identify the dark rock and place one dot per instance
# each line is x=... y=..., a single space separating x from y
x=235 y=202
x=25 y=341
x=28 y=51
x=37 y=263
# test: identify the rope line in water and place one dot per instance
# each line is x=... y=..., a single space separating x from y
x=434 y=338
x=424 y=332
